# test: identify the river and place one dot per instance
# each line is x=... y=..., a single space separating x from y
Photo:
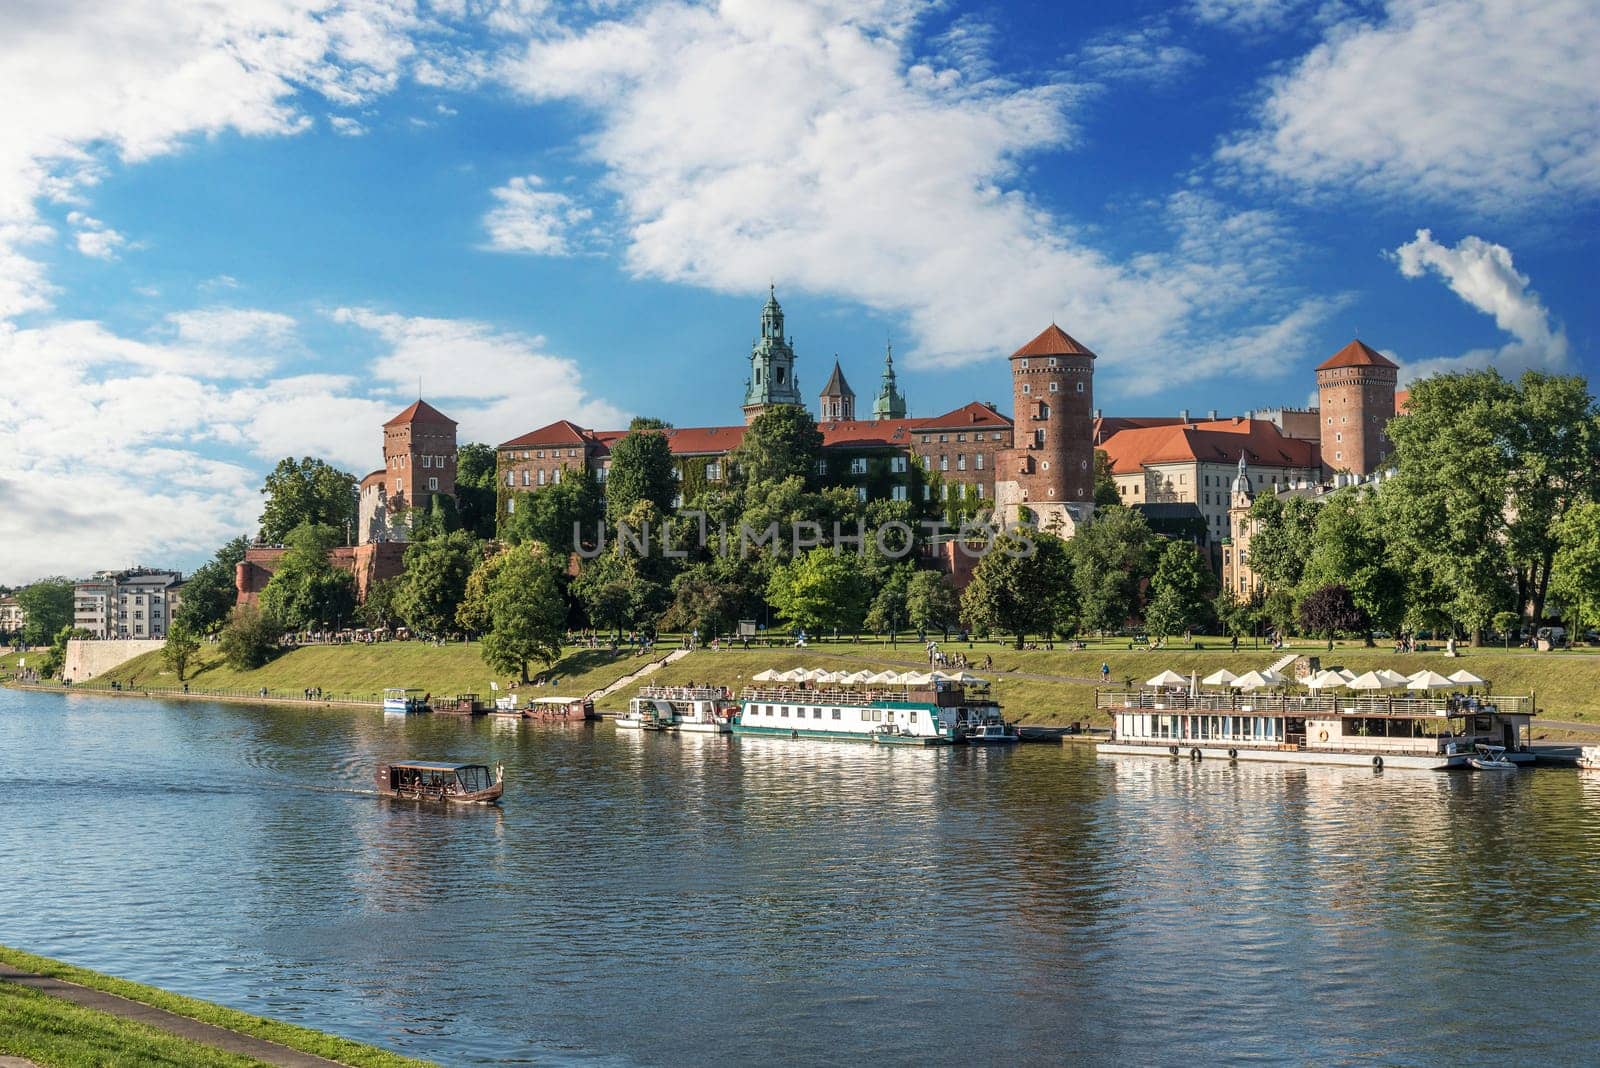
x=663 y=900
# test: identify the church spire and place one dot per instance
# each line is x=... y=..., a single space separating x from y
x=772 y=377
x=890 y=403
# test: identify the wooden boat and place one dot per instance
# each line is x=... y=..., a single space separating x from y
x=560 y=709
x=401 y=700
x=462 y=704
x=456 y=784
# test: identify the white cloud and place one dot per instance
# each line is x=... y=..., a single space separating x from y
x=528 y=219
x=854 y=165
x=1143 y=53
x=345 y=126
x=1483 y=274
x=1486 y=103
x=94 y=238
x=495 y=384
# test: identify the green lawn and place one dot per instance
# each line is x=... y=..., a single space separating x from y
x=360 y=672
x=58 y=1034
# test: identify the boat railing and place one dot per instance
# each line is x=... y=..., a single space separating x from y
x=1348 y=704
x=852 y=695
x=686 y=693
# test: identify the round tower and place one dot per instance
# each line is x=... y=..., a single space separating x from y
x=1050 y=469
x=1355 y=392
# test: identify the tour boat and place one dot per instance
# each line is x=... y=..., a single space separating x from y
x=997 y=732
x=560 y=709
x=918 y=710
x=1491 y=758
x=687 y=709
x=456 y=784
x=462 y=704
x=1417 y=730
x=400 y=699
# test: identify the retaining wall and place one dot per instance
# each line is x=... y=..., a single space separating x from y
x=86 y=659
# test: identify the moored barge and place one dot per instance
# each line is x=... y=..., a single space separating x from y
x=914 y=708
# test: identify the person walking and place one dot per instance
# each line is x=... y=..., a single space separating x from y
x=1105 y=672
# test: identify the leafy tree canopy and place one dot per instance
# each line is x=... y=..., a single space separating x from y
x=1111 y=557
x=250 y=638
x=516 y=598
x=782 y=442
x=436 y=581
x=1181 y=591
x=641 y=470
x=308 y=490
x=820 y=591
x=212 y=590
x=307 y=592
x=1022 y=585
x=46 y=607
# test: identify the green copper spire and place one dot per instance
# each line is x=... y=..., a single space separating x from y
x=772 y=378
x=891 y=404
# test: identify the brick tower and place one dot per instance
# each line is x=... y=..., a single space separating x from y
x=419 y=457
x=1050 y=469
x=1355 y=387
x=837 y=402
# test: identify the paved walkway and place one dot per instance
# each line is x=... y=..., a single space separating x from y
x=182 y=1026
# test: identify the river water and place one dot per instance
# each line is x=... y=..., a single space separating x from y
x=664 y=900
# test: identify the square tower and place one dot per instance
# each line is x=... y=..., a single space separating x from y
x=419 y=458
x=1355 y=388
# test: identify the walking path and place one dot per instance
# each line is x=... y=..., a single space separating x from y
x=648 y=669
x=182 y=1026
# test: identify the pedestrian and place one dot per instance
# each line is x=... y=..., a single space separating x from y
x=1105 y=672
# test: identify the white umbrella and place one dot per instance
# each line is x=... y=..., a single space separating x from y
x=915 y=678
x=1465 y=678
x=794 y=675
x=764 y=676
x=1272 y=677
x=1167 y=678
x=858 y=677
x=1251 y=680
x=829 y=676
x=1393 y=678
x=1429 y=680
x=1325 y=680
x=1370 y=681
x=967 y=680
x=1346 y=674
x=1219 y=678
x=885 y=678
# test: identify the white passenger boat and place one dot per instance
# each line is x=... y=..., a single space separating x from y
x=998 y=732
x=1417 y=730
x=1589 y=758
x=687 y=709
x=400 y=700
x=913 y=709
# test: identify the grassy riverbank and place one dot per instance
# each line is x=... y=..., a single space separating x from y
x=1036 y=686
x=59 y=1034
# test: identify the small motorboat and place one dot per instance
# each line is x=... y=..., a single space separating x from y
x=1589 y=758
x=401 y=700
x=994 y=733
x=1491 y=758
x=456 y=784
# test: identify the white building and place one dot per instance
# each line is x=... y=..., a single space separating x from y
x=137 y=603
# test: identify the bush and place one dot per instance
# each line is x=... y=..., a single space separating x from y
x=250 y=639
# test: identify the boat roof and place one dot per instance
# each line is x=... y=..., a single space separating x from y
x=432 y=765
x=553 y=700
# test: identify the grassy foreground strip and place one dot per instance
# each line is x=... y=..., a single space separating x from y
x=54 y=1032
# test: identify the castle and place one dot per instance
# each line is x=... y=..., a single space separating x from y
x=1191 y=477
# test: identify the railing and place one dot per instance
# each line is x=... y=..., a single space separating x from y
x=1306 y=705
x=833 y=695
x=686 y=693
x=270 y=695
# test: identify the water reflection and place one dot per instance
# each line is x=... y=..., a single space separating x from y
x=662 y=899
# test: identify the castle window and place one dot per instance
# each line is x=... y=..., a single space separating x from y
x=511 y=479
x=1045 y=466
x=541 y=476
x=1052 y=361
x=858 y=465
x=1338 y=437
x=427 y=461
x=977 y=461
x=1055 y=387
x=539 y=455
x=897 y=493
x=861 y=493
x=897 y=465
x=527 y=477
x=979 y=490
x=1038 y=437
x=713 y=472
x=677 y=472
x=961 y=462
x=1027 y=388
x=1044 y=411
x=821 y=468
x=947 y=491
x=758 y=376
x=944 y=463
x=555 y=476
x=780 y=376
x=944 y=437
x=1024 y=365
x=433 y=484
x=927 y=492
x=961 y=437
x=1080 y=387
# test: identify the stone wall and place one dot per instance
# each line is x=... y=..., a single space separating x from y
x=86 y=659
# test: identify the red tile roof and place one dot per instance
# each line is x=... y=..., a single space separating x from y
x=1218 y=441
x=704 y=440
x=560 y=433
x=1108 y=425
x=962 y=418
x=420 y=412
x=866 y=433
x=1356 y=354
x=1053 y=341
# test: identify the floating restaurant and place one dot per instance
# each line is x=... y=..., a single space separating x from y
x=887 y=708
x=1416 y=727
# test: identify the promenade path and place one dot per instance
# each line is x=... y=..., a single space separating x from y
x=182 y=1026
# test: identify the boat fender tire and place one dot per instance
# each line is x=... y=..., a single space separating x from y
x=1377 y=763
x=1233 y=754
x=1322 y=736
x=1194 y=754
x=1172 y=750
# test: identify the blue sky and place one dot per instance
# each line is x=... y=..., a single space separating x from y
x=235 y=231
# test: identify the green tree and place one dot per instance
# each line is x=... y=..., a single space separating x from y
x=782 y=442
x=436 y=581
x=1348 y=548
x=931 y=602
x=56 y=653
x=182 y=644
x=1330 y=611
x=212 y=590
x=47 y=607
x=1020 y=587
x=515 y=597
x=1282 y=540
x=641 y=470
x=476 y=475
x=1105 y=486
x=1237 y=617
x=819 y=591
x=250 y=638
x=1111 y=558
x=1181 y=591
x=1445 y=507
x=306 y=591
x=704 y=598
x=1575 y=578
x=380 y=610
x=887 y=612
x=552 y=514
x=304 y=491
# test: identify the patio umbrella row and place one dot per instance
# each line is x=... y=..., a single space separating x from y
x=1382 y=679
x=864 y=678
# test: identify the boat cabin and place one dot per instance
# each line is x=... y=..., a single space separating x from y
x=403 y=699
x=428 y=780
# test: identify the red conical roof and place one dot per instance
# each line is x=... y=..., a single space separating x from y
x=1053 y=341
x=1356 y=354
x=420 y=412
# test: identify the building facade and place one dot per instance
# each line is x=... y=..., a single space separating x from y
x=419 y=464
x=136 y=603
x=1048 y=474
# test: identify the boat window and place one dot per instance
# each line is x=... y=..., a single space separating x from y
x=836 y=714
x=784 y=711
x=913 y=715
x=816 y=713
